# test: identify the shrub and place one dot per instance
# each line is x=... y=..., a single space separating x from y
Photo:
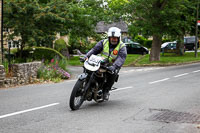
x=146 y=42
x=143 y=41
x=46 y=53
x=39 y=53
x=60 y=44
x=140 y=39
x=55 y=70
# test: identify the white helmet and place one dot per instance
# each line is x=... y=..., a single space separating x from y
x=114 y=32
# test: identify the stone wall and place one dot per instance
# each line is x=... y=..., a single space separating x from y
x=21 y=74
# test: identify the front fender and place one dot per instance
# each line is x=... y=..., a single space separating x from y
x=82 y=76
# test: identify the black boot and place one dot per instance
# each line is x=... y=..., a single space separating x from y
x=106 y=94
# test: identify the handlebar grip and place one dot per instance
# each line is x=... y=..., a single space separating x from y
x=82 y=59
x=111 y=72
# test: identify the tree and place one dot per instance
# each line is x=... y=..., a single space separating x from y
x=37 y=22
x=18 y=16
x=21 y=16
x=158 y=18
x=183 y=24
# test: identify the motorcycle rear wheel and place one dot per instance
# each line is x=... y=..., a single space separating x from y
x=77 y=95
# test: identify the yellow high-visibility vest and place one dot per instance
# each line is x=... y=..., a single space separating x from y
x=114 y=53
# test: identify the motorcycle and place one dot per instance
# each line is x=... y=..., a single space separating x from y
x=89 y=85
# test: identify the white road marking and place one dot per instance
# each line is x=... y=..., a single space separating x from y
x=196 y=71
x=181 y=75
x=140 y=70
x=129 y=87
x=159 y=81
x=28 y=110
x=73 y=80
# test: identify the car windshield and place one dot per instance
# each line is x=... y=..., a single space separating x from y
x=189 y=40
x=164 y=44
x=131 y=42
x=133 y=45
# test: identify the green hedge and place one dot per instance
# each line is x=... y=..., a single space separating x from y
x=39 y=53
x=46 y=53
x=145 y=42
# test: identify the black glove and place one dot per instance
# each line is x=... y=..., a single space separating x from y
x=111 y=69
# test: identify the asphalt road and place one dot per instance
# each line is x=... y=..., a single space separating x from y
x=148 y=100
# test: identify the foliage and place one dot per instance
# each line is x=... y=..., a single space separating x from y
x=45 y=53
x=81 y=44
x=38 y=21
x=116 y=9
x=5 y=64
x=39 y=53
x=53 y=71
x=157 y=18
x=18 y=15
x=146 y=42
x=60 y=44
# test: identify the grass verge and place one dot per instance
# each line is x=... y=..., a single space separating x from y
x=143 y=60
x=169 y=59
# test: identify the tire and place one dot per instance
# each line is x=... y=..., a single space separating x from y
x=77 y=92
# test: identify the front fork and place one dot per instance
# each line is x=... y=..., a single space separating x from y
x=90 y=79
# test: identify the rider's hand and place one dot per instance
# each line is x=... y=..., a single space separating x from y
x=84 y=58
x=111 y=69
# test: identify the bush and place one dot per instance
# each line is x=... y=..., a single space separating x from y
x=145 y=42
x=148 y=43
x=60 y=44
x=55 y=70
x=45 y=53
x=39 y=53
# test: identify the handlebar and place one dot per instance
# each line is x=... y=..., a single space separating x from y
x=111 y=72
x=106 y=68
x=82 y=59
x=104 y=64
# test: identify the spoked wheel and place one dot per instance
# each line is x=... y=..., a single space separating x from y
x=77 y=95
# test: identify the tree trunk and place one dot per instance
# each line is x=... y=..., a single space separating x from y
x=155 y=49
x=180 y=46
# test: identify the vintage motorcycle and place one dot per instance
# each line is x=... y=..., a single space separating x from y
x=90 y=83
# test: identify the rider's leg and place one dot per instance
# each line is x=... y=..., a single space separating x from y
x=108 y=85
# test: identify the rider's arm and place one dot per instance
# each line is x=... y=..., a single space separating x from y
x=96 y=49
x=120 y=58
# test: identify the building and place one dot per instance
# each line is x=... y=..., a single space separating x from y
x=103 y=27
x=12 y=43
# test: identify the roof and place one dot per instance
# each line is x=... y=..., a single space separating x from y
x=102 y=27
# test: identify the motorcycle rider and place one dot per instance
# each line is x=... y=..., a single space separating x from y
x=113 y=49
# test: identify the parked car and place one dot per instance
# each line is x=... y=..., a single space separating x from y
x=136 y=48
x=168 y=46
x=189 y=42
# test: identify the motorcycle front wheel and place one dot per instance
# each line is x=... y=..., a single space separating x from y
x=77 y=95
